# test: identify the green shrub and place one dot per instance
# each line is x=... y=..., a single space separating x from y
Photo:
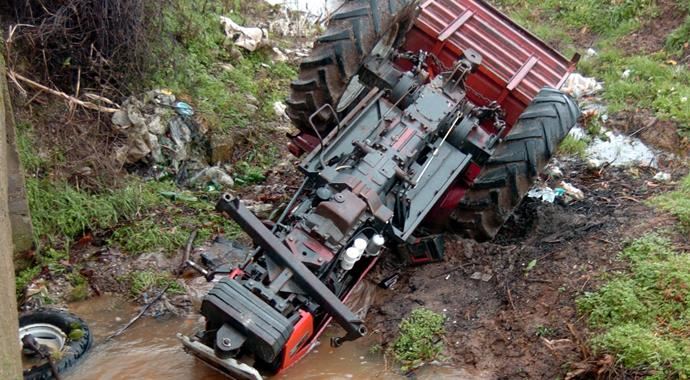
x=420 y=338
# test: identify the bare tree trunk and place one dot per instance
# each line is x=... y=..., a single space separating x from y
x=10 y=361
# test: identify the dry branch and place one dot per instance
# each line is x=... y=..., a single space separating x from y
x=71 y=99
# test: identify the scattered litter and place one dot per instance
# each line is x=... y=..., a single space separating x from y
x=485 y=277
x=571 y=190
x=620 y=151
x=546 y=194
x=578 y=133
x=183 y=109
x=389 y=281
x=579 y=86
x=164 y=139
x=279 y=108
x=260 y=209
x=591 y=53
x=215 y=175
x=245 y=37
x=626 y=74
x=662 y=177
x=553 y=171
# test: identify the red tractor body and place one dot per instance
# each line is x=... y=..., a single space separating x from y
x=432 y=118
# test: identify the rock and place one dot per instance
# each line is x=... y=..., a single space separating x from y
x=252 y=109
x=222 y=147
x=251 y=99
x=236 y=54
x=121 y=119
x=213 y=174
x=278 y=55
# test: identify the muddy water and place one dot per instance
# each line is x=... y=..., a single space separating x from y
x=149 y=350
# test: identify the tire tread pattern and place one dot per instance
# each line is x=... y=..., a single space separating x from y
x=75 y=350
x=352 y=33
x=515 y=165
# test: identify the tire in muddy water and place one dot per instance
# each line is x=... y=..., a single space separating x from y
x=516 y=164
x=358 y=29
x=78 y=340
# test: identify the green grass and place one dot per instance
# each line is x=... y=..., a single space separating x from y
x=60 y=211
x=677 y=203
x=168 y=229
x=552 y=18
x=79 y=287
x=654 y=83
x=195 y=68
x=643 y=317
x=678 y=38
x=420 y=339
x=573 y=146
x=145 y=281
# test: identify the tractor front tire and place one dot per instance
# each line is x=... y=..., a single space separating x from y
x=516 y=164
x=353 y=32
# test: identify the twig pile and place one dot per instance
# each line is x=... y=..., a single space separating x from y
x=84 y=45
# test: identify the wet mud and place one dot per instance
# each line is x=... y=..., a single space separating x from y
x=510 y=304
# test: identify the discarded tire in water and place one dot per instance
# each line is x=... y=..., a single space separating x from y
x=66 y=336
x=515 y=165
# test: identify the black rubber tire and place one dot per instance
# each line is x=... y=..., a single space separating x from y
x=74 y=349
x=352 y=32
x=516 y=164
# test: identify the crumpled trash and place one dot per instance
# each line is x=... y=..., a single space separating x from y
x=619 y=150
x=163 y=138
x=279 y=108
x=546 y=194
x=245 y=37
x=662 y=177
x=485 y=277
x=552 y=170
x=214 y=174
x=571 y=191
x=183 y=109
x=579 y=86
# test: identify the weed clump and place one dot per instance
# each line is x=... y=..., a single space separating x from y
x=677 y=203
x=144 y=281
x=642 y=317
x=573 y=146
x=420 y=338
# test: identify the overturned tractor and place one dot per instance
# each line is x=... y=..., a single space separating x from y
x=414 y=120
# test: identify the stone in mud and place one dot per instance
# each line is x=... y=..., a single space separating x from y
x=222 y=147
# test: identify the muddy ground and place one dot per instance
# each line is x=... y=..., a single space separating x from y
x=507 y=321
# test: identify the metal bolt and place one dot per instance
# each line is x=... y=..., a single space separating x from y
x=226 y=342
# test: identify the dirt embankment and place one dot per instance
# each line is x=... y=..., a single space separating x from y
x=510 y=304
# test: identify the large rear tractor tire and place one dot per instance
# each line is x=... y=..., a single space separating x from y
x=515 y=165
x=355 y=31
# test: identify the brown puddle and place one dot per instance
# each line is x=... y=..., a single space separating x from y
x=150 y=350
